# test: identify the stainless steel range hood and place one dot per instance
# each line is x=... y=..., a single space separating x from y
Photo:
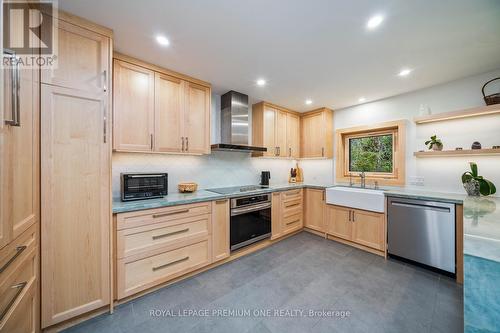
x=234 y=124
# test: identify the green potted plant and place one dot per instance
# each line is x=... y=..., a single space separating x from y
x=474 y=184
x=434 y=143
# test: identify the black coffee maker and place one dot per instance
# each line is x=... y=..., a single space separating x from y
x=264 y=178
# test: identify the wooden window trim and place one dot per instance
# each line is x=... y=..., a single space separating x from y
x=397 y=128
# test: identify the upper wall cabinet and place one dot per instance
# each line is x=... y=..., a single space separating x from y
x=277 y=129
x=156 y=110
x=316 y=139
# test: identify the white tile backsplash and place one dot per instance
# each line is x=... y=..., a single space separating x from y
x=218 y=169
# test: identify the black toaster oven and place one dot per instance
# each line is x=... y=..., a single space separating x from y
x=139 y=186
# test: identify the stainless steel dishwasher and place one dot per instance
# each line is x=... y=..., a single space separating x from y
x=422 y=231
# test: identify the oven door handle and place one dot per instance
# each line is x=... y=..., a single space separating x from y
x=253 y=208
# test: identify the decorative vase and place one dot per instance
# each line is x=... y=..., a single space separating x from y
x=437 y=147
x=472 y=187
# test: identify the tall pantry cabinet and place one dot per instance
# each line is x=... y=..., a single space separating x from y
x=19 y=197
x=75 y=173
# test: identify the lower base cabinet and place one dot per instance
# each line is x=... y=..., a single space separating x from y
x=357 y=226
x=158 y=245
x=220 y=229
x=314 y=209
x=19 y=300
x=287 y=212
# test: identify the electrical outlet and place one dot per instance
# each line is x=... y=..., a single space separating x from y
x=417 y=181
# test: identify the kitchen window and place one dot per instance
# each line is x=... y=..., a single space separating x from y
x=378 y=151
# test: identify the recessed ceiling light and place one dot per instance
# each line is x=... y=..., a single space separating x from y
x=374 y=21
x=309 y=102
x=261 y=82
x=162 y=40
x=361 y=99
x=404 y=72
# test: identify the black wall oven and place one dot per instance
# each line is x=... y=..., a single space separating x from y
x=250 y=220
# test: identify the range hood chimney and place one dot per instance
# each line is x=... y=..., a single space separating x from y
x=234 y=124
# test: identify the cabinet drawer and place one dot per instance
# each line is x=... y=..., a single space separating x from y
x=292 y=223
x=291 y=207
x=22 y=317
x=134 y=276
x=13 y=290
x=291 y=195
x=136 y=240
x=159 y=215
x=13 y=254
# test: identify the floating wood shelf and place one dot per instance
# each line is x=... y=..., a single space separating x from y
x=455 y=153
x=467 y=113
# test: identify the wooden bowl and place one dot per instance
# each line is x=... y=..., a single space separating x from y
x=187 y=187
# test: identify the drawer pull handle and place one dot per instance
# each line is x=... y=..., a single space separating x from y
x=292 y=193
x=20 y=288
x=170 y=263
x=221 y=201
x=19 y=250
x=294 y=221
x=292 y=205
x=170 y=234
x=171 y=213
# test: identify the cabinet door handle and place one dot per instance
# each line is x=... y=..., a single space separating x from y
x=182 y=138
x=322 y=151
x=19 y=250
x=20 y=288
x=324 y=194
x=15 y=82
x=104 y=124
x=187 y=143
x=353 y=220
x=349 y=216
x=151 y=138
x=155 y=216
x=170 y=234
x=105 y=85
x=170 y=263
x=290 y=152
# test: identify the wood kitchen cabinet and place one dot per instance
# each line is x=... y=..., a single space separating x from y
x=316 y=134
x=133 y=95
x=19 y=193
x=286 y=212
x=75 y=175
x=359 y=228
x=277 y=129
x=314 y=209
x=293 y=135
x=156 y=110
x=220 y=229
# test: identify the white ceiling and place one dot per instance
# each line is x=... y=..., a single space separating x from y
x=317 y=49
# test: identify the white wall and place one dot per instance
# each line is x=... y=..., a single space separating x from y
x=441 y=174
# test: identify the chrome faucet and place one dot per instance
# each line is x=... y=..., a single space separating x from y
x=363 y=179
x=351 y=183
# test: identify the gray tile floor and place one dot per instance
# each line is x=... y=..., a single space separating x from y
x=303 y=272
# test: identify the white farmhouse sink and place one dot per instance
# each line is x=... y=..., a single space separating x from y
x=360 y=198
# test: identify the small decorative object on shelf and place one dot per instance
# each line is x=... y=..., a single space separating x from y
x=459 y=148
x=495 y=147
x=493 y=98
x=434 y=143
x=476 y=145
x=474 y=184
x=187 y=187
